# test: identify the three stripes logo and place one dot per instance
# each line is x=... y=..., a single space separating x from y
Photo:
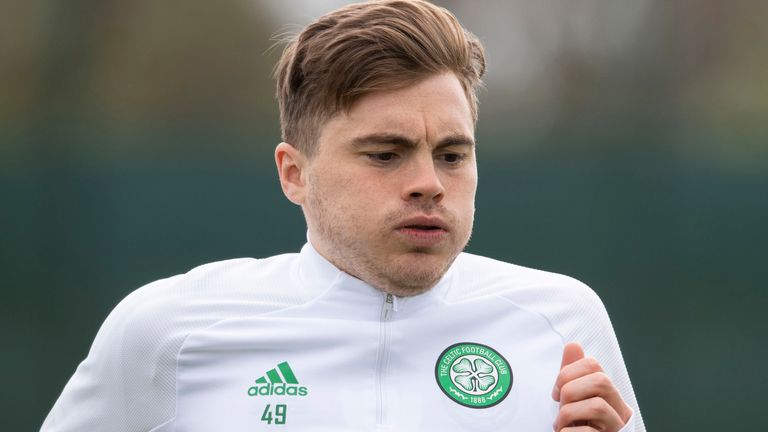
x=280 y=381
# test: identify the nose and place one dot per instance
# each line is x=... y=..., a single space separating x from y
x=422 y=181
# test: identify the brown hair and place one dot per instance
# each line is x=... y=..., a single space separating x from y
x=368 y=47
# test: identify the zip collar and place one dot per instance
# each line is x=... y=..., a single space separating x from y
x=324 y=282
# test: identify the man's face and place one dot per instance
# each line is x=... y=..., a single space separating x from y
x=390 y=191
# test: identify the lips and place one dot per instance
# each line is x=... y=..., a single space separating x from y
x=423 y=231
x=425 y=223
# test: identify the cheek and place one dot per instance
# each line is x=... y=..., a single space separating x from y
x=465 y=188
x=348 y=193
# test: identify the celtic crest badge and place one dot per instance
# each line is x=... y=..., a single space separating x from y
x=473 y=375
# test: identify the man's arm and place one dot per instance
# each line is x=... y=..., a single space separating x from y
x=126 y=381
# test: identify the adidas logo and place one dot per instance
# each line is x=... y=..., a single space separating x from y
x=279 y=381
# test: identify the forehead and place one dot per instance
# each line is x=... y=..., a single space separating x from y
x=428 y=110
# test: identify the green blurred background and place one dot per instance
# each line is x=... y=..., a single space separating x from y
x=623 y=143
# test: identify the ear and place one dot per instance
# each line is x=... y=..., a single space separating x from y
x=291 y=166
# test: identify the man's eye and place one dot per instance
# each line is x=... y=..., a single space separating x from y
x=452 y=158
x=382 y=157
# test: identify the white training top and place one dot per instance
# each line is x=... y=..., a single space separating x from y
x=291 y=342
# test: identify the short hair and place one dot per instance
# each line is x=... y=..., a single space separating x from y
x=368 y=47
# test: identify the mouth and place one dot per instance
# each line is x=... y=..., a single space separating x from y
x=424 y=223
x=423 y=227
x=423 y=231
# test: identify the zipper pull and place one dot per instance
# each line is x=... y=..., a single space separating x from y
x=389 y=305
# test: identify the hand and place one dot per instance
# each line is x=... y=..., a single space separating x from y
x=588 y=399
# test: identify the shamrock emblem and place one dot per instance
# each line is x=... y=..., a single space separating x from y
x=474 y=376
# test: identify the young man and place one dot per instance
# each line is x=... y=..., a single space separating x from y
x=381 y=322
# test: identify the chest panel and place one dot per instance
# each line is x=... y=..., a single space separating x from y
x=314 y=373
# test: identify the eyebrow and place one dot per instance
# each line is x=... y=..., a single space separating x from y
x=403 y=141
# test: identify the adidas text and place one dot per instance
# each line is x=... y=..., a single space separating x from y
x=277 y=389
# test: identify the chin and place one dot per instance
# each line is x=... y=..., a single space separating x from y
x=416 y=275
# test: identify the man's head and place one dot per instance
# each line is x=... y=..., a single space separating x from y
x=378 y=109
x=367 y=47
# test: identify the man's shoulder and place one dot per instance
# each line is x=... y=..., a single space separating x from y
x=144 y=334
x=480 y=275
x=173 y=307
x=567 y=303
x=243 y=280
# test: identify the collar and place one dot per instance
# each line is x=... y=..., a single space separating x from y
x=324 y=282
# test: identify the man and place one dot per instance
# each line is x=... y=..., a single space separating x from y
x=380 y=323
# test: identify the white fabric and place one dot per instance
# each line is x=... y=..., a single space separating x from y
x=180 y=354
